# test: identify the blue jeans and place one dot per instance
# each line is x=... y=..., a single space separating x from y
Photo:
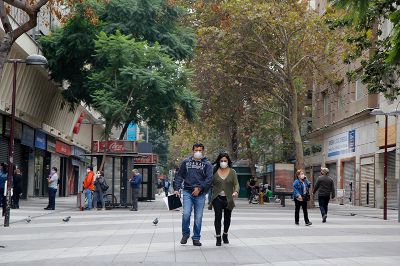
x=323 y=202
x=197 y=203
x=52 y=198
x=88 y=194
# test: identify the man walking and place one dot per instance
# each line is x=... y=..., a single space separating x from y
x=52 y=180
x=135 y=181
x=196 y=174
x=326 y=188
x=88 y=186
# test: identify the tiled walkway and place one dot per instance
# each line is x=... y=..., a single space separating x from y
x=259 y=235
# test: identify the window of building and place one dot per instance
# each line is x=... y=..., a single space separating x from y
x=361 y=89
x=325 y=98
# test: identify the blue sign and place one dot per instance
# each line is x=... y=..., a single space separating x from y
x=131 y=132
x=40 y=140
x=28 y=136
x=344 y=143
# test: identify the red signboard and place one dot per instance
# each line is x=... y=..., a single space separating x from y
x=145 y=159
x=112 y=146
x=63 y=148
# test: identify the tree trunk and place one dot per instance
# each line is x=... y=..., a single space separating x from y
x=234 y=140
x=5 y=48
x=124 y=129
x=296 y=131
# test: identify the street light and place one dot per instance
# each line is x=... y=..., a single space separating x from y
x=30 y=60
x=377 y=112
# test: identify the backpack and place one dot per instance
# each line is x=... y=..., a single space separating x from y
x=104 y=186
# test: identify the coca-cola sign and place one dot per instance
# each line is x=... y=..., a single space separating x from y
x=117 y=146
x=145 y=159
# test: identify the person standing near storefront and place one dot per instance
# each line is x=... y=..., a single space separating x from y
x=88 y=186
x=3 y=180
x=52 y=180
x=17 y=188
x=135 y=182
x=99 y=184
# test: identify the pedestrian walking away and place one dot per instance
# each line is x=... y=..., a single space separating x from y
x=225 y=190
x=195 y=174
x=99 y=187
x=167 y=184
x=325 y=188
x=135 y=182
x=88 y=187
x=52 y=180
x=17 y=188
x=3 y=180
x=301 y=195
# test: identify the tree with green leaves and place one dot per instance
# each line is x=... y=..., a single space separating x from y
x=124 y=76
x=363 y=20
x=267 y=49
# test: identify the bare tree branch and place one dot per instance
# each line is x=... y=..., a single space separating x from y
x=4 y=18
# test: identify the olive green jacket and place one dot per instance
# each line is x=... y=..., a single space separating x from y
x=229 y=185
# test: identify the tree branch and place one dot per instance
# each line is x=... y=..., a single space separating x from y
x=280 y=114
x=32 y=12
x=4 y=18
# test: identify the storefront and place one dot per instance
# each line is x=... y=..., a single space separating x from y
x=367 y=181
x=79 y=165
x=42 y=162
x=122 y=157
x=65 y=170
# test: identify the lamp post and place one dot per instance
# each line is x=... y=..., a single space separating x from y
x=377 y=112
x=30 y=60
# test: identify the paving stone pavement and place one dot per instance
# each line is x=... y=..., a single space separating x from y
x=259 y=235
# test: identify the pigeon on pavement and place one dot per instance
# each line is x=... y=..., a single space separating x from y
x=66 y=219
x=155 y=222
x=28 y=219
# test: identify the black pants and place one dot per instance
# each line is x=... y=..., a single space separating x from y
x=303 y=205
x=323 y=202
x=220 y=204
x=52 y=198
x=3 y=201
x=15 y=198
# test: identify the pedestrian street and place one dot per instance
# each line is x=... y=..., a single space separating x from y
x=259 y=235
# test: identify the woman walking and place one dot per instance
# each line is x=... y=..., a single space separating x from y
x=301 y=195
x=225 y=189
x=98 y=190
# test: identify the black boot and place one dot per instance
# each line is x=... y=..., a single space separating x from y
x=225 y=238
x=218 y=241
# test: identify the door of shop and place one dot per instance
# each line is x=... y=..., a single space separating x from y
x=367 y=182
x=391 y=181
x=348 y=181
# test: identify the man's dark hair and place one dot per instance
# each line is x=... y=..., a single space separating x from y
x=54 y=168
x=197 y=145
x=90 y=167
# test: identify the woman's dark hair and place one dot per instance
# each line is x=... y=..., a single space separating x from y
x=220 y=156
x=54 y=168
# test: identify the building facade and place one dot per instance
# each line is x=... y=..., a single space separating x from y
x=351 y=140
